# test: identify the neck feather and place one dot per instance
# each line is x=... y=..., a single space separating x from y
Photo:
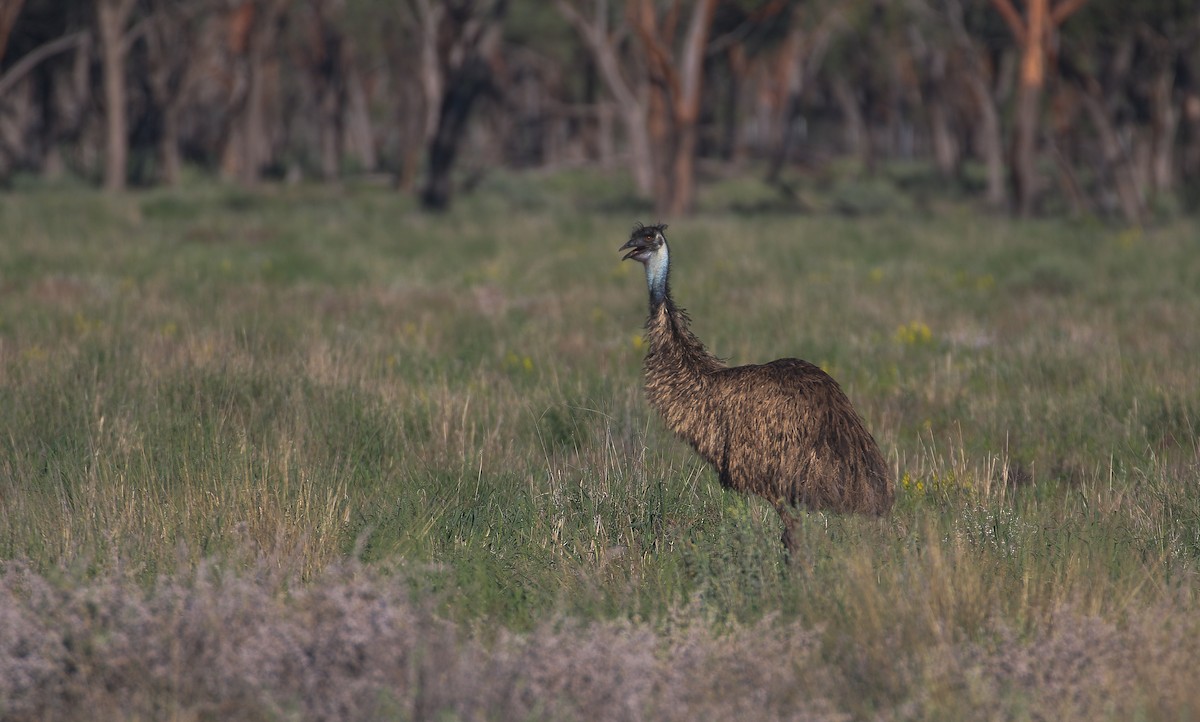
x=680 y=376
x=658 y=268
x=673 y=346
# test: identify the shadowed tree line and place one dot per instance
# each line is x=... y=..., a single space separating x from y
x=1090 y=106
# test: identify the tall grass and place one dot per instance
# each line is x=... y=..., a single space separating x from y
x=243 y=399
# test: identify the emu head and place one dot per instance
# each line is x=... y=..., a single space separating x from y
x=647 y=245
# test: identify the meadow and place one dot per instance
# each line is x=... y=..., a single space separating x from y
x=309 y=453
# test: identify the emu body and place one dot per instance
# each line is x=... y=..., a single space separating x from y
x=783 y=430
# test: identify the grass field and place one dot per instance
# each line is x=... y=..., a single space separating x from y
x=309 y=453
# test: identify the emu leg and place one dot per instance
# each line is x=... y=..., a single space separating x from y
x=790 y=520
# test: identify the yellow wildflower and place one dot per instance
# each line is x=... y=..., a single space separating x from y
x=913 y=334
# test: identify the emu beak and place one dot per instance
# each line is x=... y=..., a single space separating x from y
x=635 y=244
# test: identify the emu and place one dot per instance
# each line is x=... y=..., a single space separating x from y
x=783 y=430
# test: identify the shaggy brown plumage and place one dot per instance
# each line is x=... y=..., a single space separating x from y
x=783 y=430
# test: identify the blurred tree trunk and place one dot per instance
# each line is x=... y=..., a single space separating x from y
x=1116 y=162
x=68 y=97
x=1030 y=82
x=342 y=116
x=800 y=58
x=936 y=93
x=358 y=137
x=675 y=97
x=169 y=156
x=325 y=61
x=463 y=86
x=1164 y=115
x=411 y=55
x=253 y=30
x=977 y=75
x=1101 y=92
x=732 y=148
x=782 y=101
x=411 y=133
x=462 y=75
x=631 y=102
x=1033 y=33
x=111 y=17
x=1164 y=121
x=171 y=35
x=1189 y=152
x=990 y=139
x=9 y=10
x=858 y=135
x=430 y=14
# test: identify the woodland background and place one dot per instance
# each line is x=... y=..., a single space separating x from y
x=1087 y=107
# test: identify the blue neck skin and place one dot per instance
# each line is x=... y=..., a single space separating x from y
x=657 y=268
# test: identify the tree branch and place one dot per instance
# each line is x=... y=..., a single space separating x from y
x=603 y=53
x=572 y=16
x=718 y=45
x=1064 y=10
x=31 y=59
x=662 y=69
x=1015 y=23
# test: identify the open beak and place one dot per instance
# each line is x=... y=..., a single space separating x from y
x=637 y=245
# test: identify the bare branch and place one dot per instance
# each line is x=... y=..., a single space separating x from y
x=657 y=57
x=1064 y=10
x=718 y=45
x=572 y=16
x=31 y=59
x=603 y=52
x=1015 y=23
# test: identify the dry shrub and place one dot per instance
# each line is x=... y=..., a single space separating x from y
x=1082 y=667
x=352 y=644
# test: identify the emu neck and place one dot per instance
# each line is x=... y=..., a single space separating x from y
x=674 y=351
x=680 y=377
x=658 y=268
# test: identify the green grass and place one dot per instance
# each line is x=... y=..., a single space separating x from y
x=309 y=374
